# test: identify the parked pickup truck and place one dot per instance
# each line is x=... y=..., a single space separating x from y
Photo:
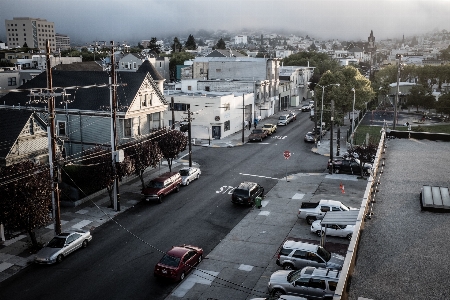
x=312 y=211
x=257 y=135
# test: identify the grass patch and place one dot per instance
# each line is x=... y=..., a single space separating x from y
x=375 y=134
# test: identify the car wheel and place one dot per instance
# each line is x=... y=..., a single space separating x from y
x=260 y=139
x=277 y=293
x=319 y=232
x=200 y=259
x=182 y=276
x=187 y=182
x=310 y=220
x=160 y=198
x=177 y=189
x=59 y=258
x=198 y=176
x=84 y=244
x=349 y=236
x=288 y=267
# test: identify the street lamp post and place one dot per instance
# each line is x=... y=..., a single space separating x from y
x=353 y=117
x=321 y=110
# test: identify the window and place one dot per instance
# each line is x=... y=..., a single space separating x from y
x=181 y=106
x=218 y=70
x=12 y=81
x=189 y=88
x=207 y=88
x=332 y=285
x=226 y=125
x=61 y=128
x=31 y=126
x=299 y=254
x=313 y=257
x=134 y=65
x=127 y=127
x=317 y=283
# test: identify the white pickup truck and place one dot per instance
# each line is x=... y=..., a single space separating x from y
x=312 y=211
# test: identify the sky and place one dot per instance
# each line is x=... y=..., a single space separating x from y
x=85 y=21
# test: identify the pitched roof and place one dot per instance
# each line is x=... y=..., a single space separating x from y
x=93 y=98
x=224 y=53
x=12 y=121
x=148 y=67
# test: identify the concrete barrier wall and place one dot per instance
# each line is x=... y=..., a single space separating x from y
x=365 y=212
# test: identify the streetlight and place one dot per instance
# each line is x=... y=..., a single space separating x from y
x=321 y=110
x=353 y=117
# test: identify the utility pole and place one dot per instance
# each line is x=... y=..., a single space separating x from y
x=399 y=57
x=172 y=102
x=243 y=116
x=189 y=137
x=331 y=135
x=52 y=145
x=115 y=158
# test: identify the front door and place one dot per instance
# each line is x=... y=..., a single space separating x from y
x=216 y=132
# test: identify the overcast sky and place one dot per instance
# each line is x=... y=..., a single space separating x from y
x=133 y=20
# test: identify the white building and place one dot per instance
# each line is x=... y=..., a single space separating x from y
x=240 y=40
x=215 y=115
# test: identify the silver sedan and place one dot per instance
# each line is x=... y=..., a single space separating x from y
x=62 y=245
x=189 y=174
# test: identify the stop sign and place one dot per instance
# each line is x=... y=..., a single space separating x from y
x=286 y=154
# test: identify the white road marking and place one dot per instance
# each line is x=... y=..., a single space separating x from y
x=298 y=196
x=245 y=268
x=259 y=176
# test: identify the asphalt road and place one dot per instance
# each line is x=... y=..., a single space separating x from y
x=119 y=262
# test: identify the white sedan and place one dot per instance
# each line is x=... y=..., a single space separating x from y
x=189 y=174
x=333 y=230
x=62 y=245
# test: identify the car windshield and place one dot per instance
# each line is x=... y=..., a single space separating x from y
x=155 y=184
x=324 y=253
x=294 y=275
x=267 y=126
x=56 y=242
x=257 y=131
x=184 y=172
x=344 y=208
x=241 y=193
x=170 y=261
x=282 y=118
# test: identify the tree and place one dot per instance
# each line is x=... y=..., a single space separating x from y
x=176 y=46
x=313 y=47
x=144 y=154
x=443 y=104
x=365 y=154
x=171 y=143
x=190 y=43
x=347 y=78
x=25 y=197
x=100 y=162
x=418 y=96
x=221 y=44
x=321 y=61
x=154 y=46
x=178 y=58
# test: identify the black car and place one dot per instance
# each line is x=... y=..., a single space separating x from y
x=309 y=137
x=246 y=193
x=348 y=167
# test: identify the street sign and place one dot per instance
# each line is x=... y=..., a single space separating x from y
x=286 y=154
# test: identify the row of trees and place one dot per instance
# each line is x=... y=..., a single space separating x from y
x=25 y=190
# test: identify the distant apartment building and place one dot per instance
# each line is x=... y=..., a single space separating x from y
x=32 y=31
x=62 y=42
x=240 y=40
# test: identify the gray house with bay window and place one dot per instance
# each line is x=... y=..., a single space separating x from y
x=83 y=109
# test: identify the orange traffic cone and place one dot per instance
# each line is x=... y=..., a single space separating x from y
x=341 y=186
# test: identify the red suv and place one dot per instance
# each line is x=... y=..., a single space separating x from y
x=161 y=186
